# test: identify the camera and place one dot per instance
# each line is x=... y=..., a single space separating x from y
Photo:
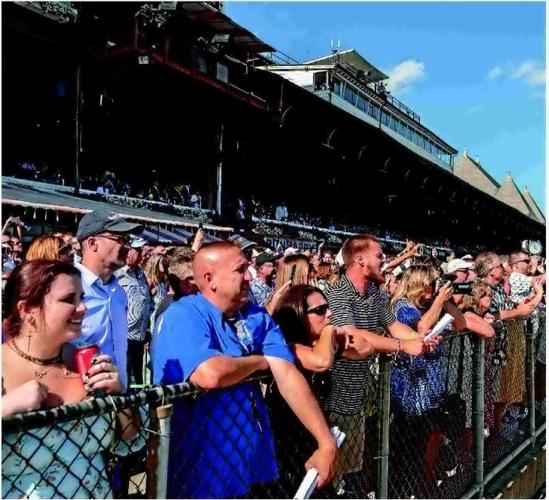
x=459 y=288
x=397 y=271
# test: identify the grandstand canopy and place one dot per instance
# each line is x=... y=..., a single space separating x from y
x=25 y=193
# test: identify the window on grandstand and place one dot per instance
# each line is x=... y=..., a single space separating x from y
x=321 y=80
x=350 y=95
x=201 y=65
x=222 y=73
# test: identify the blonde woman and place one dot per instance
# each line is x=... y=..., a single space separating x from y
x=292 y=270
x=156 y=272
x=417 y=383
x=51 y=248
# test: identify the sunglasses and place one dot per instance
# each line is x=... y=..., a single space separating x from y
x=523 y=260
x=121 y=240
x=319 y=310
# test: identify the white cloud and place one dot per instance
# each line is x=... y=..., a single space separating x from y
x=530 y=71
x=403 y=75
x=473 y=110
x=495 y=72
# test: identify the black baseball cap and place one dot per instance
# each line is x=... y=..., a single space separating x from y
x=100 y=221
x=243 y=242
x=265 y=257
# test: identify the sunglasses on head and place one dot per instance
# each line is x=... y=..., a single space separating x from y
x=319 y=310
x=523 y=260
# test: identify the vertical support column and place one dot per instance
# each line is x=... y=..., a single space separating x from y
x=78 y=103
x=159 y=450
x=478 y=415
x=219 y=176
x=530 y=386
x=384 y=413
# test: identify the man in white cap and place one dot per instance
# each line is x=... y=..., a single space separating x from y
x=132 y=279
x=460 y=269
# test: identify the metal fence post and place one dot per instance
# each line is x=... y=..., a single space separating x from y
x=384 y=413
x=157 y=475
x=530 y=386
x=478 y=414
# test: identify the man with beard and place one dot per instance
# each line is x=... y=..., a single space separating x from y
x=104 y=238
x=221 y=441
x=358 y=306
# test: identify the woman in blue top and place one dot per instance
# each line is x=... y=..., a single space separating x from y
x=417 y=383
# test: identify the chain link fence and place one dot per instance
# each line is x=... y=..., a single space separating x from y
x=435 y=426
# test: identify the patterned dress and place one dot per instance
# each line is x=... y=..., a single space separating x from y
x=509 y=353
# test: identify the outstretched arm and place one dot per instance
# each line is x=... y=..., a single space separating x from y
x=294 y=389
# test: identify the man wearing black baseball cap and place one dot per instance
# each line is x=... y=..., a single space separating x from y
x=104 y=237
x=261 y=287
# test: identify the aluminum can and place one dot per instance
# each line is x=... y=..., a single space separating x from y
x=84 y=356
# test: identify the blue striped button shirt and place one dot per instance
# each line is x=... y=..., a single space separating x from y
x=106 y=321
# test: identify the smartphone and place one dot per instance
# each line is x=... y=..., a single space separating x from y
x=292 y=273
x=200 y=225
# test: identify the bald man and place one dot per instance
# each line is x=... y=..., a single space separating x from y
x=221 y=441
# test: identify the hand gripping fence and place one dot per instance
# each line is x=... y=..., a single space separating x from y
x=442 y=425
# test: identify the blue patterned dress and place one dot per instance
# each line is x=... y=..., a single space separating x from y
x=417 y=382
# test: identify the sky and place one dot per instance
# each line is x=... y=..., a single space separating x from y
x=474 y=71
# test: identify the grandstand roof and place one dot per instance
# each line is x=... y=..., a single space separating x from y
x=533 y=205
x=471 y=171
x=509 y=193
x=352 y=58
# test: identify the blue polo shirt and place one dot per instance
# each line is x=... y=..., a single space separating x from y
x=221 y=441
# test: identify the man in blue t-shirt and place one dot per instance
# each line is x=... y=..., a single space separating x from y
x=221 y=442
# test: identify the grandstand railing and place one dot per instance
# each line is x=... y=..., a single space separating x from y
x=298 y=225
x=434 y=441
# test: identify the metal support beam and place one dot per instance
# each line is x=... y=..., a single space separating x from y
x=384 y=413
x=219 y=173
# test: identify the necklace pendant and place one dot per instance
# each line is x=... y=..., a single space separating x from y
x=39 y=375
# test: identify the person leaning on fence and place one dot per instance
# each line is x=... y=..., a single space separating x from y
x=357 y=306
x=510 y=350
x=304 y=319
x=424 y=411
x=221 y=443
x=44 y=310
x=479 y=302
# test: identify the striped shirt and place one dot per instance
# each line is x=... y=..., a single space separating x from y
x=134 y=283
x=349 y=379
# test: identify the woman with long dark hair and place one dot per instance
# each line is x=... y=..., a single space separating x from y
x=43 y=312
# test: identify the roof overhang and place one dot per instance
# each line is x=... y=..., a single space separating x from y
x=352 y=58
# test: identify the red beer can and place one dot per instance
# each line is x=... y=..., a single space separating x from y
x=84 y=356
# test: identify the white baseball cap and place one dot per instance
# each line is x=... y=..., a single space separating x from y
x=459 y=265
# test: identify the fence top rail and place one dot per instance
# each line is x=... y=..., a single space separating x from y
x=162 y=394
x=150 y=395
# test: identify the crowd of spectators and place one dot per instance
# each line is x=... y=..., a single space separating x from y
x=214 y=314
x=246 y=209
